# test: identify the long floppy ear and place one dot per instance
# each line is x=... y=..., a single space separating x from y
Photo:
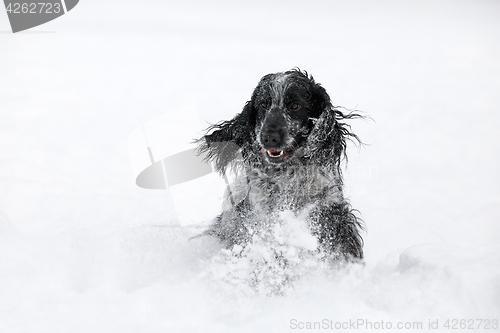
x=320 y=99
x=226 y=138
x=328 y=140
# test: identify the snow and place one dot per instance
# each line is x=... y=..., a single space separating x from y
x=82 y=248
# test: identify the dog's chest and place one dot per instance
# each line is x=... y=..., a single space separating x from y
x=293 y=188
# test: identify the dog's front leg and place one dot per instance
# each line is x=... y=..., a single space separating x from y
x=338 y=230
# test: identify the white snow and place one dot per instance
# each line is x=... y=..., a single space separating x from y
x=83 y=249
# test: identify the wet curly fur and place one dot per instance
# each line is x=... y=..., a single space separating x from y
x=286 y=148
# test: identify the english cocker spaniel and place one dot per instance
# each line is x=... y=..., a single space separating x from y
x=285 y=147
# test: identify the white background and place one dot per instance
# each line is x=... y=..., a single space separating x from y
x=83 y=249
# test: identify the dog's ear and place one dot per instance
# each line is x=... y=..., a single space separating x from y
x=225 y=139
x=320 y=100
x=328 y=140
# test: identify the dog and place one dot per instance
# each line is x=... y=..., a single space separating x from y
x=286 y=149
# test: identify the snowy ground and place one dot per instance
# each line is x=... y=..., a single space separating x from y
x=82 y=249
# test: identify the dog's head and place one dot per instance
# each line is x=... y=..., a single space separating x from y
x=286 y=106
x=289 y=116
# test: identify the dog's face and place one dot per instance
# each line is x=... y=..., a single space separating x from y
x=289 y=116
x=285 y=105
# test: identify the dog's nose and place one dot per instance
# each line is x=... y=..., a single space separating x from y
x=270 y=139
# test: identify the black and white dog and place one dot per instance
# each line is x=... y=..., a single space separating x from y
x=287 y=146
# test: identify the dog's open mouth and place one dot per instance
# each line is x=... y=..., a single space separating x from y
x=277 y=156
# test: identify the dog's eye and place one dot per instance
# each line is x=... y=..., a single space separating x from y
x=264 y=105
x=294 y=106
